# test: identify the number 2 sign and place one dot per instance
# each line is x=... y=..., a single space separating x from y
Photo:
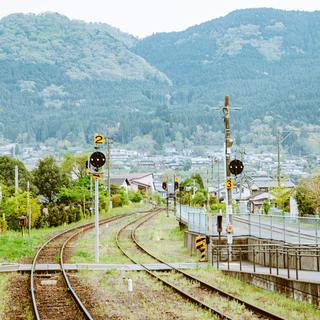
x=98 y=139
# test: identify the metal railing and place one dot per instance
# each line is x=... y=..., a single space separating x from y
x=298 y=230
x=271 y=258
x=289 y=229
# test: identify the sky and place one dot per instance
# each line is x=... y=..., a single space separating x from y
x=144 y=17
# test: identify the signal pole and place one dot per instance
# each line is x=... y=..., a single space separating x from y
x=96 y=220
x=108 y=177
x=167 y=199
x=207 y=182
x=228 y=144
x=97 y=160
x=91 y=198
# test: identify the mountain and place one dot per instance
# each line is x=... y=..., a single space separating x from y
x=69 y=78
x=63 y=79
x=84 y=51
x=266 y=60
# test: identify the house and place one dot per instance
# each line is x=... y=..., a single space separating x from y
x=255 y=203
x=120 y=182
x=143 y=182
x=261 y=184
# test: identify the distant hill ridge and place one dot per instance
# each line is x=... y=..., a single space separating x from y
x=70 y=78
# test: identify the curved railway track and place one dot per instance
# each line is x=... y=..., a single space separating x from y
x=258 y=312
x=52 y=294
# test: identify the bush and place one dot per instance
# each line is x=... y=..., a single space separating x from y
x=41 y=220
x=57 y=216
x=216 y=207
x=134 y=196
x=116 y=201
x=156 y=197
x=123 y=197
x=3 y=225
x=199 y=199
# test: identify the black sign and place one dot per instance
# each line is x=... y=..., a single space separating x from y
x=97 y=159
x=236 y=167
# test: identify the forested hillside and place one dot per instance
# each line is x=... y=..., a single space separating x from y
x=69 y=79
x=267 y=60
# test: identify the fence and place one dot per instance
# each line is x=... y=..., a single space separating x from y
x=298 y=230
x=295 y=230
x=271 y=258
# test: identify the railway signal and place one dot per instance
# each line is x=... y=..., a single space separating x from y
x=176 y=183
x=97 y=160
x=236 y=167
x=165 y=184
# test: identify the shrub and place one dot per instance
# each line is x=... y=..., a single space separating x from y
x=3 y=225
x=57 y=216
x=134 y=196
x=116 y=201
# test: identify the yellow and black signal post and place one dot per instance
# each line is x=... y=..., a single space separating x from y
x=175 y=189
x=97 y=160
x=201 y=245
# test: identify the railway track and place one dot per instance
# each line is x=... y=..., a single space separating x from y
x=259 y=313
x=52 y=294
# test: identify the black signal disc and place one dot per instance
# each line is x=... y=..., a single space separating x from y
x=97 y=159
x=236 y=167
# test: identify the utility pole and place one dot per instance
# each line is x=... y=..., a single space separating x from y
x=218 y=163
x=167 y=199
x=174 y=195
x=207 y=182
x=3 y=214
x=91 y=198
x=29 y=209
x=108 y=173
x=242 y=152
x=16 y=179
x=281 y=137
x=228 y=144
x=278 y=156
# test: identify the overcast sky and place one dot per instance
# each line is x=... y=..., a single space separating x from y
x=144 y=17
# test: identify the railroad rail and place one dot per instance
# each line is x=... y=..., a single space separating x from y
x=259 y=312
x=60 y=300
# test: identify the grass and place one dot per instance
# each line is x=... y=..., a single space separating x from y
x=109 y=253
x=162 y=236
x=271 y=301
x=14 y=248
x=149 y=299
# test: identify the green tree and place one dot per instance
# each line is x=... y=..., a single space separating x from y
x=74 y=165
x=7 y=173
x=48 y=178
x=281 y=197
x=308 y=196
x=15 y=206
